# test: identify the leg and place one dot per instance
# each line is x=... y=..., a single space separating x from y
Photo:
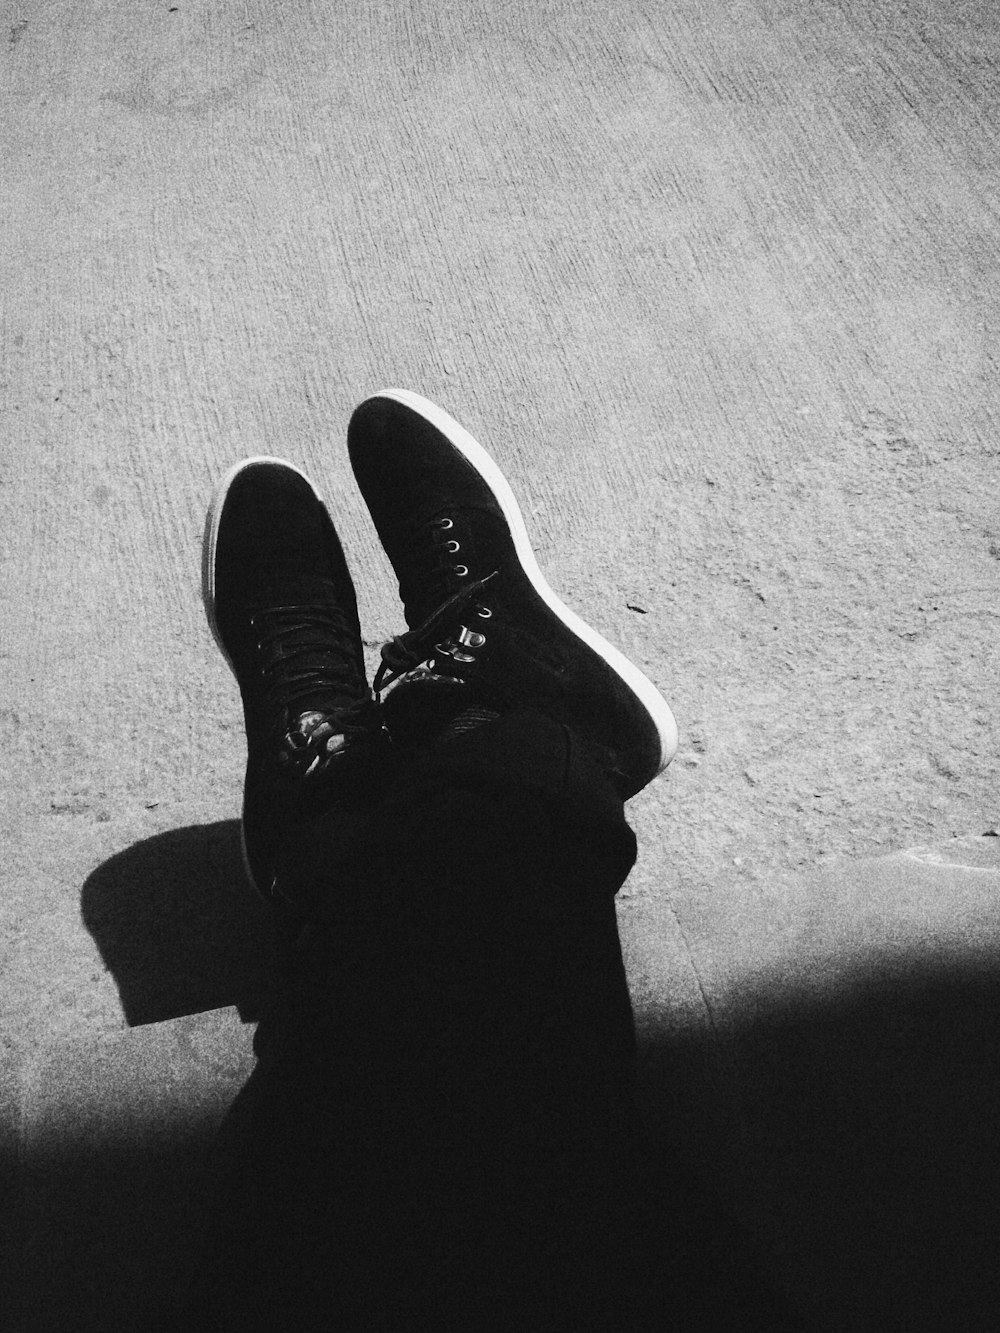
x=441 y=1131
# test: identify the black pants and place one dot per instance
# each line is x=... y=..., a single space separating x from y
x=441 y=1131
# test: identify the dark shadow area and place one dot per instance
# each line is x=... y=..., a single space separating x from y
x=830 y=1151
x=856 y=1137
x=844 y=1153
x=178 y=927
x=108 y=1231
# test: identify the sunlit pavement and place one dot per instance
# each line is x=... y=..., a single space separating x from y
x=717 y=285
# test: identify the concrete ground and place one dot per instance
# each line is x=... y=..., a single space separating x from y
x=717 y=283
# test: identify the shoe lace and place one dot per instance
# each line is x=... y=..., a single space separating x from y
x=309 y=660
x=406 y=652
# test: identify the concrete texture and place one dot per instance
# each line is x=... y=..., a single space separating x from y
x=716 y=282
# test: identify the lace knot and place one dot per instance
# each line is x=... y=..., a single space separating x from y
x=405 y=652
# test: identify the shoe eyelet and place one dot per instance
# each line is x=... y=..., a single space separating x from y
x=445 y=524
x=484 y=613
x=452 y=546
x=461 y=570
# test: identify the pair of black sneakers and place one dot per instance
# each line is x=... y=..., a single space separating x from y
x=486 y=633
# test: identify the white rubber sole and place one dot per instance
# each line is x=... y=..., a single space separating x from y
x=640 y=685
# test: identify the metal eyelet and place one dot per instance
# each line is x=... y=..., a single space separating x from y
x=484 y=613
x=461 y=570
x=452 y=546
x=445 y=524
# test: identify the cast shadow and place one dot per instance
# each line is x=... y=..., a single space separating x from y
x=854 y=1140
x=827 y=1166
x=824 y=1162
x=177 y=925
x=107 y=1208
x=108 y=1231
x=111 y=1228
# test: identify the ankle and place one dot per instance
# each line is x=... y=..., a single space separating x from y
x=426 y=709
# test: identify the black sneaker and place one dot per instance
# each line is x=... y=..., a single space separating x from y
x=282 y=608
x=479 y=611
